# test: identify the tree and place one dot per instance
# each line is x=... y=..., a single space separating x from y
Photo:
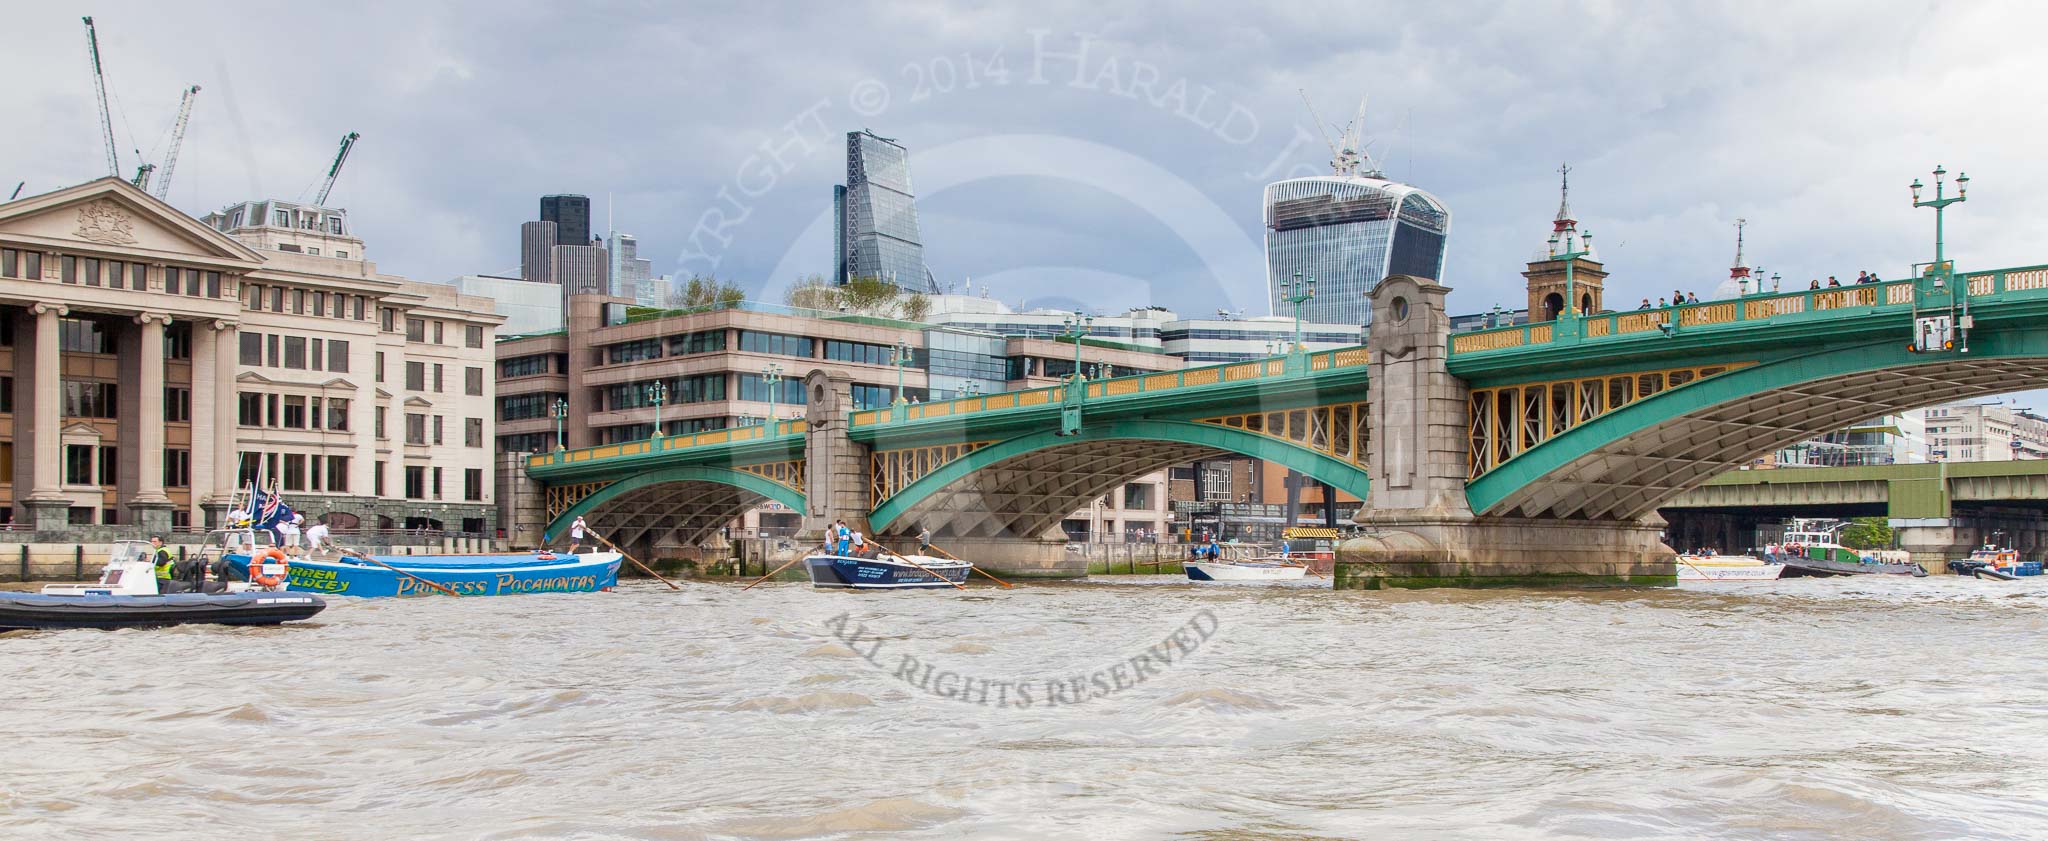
x=1867 y=533
x=812 y=293
x=707 y=291
x=870 y=296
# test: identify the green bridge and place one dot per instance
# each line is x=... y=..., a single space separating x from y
x=1536 y=453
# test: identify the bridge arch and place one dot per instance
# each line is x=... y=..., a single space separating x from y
x=685 y=503
x=1023 y=486
x=1623 y=464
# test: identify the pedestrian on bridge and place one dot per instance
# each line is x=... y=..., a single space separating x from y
x=1646 y=304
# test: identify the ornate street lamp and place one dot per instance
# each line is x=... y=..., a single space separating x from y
x=1075 y=329
x=772 y=377
x=561 y=414
x=657 y=394
x=1570 y=313
x=1939 y=203
x=901 y=359
x=1296 y=292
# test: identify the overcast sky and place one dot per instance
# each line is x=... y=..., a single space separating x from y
x=1073 y=152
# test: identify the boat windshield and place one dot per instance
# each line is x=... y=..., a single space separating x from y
x=128 y=550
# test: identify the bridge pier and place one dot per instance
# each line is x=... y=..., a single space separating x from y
x=836 y=476
x=1421 y=533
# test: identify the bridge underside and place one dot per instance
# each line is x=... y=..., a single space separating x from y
x=1631 y=476
x=1027 y=496
x=678 y=513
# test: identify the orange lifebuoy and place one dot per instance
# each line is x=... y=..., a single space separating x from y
x=256 y=567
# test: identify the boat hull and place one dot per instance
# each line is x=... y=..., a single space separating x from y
x=1797 y=567
x=835 y=572
x=466 y=575
x=1241 y=571
x=37 y=611
x=1721 y=569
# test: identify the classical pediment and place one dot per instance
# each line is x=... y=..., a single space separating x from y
x=418 y=401
x=79 y=433
x=254 y=378
x=112 y=215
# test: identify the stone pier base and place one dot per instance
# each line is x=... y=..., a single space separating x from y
x=1012 y=559
x=1422 y=553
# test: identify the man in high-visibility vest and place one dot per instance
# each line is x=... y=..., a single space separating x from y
x=164 y=562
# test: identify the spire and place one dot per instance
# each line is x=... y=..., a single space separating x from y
x=1739 y=270
x=1565 y=222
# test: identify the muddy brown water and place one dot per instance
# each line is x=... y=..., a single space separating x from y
x=1139 y=707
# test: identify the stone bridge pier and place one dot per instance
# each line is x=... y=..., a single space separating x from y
x=1420 y=530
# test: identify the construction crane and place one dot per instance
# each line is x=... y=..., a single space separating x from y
x=99 y=84
x=141 y=179
x=163 y=187
x=348 y=141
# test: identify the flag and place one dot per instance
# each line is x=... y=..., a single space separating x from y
x=267 y=510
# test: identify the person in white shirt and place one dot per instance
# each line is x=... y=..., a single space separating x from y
x=289 y=530
x=316 y=536
x=576 y=536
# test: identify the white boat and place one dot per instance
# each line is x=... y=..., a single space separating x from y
x=1249 y=570
x=1727 y=568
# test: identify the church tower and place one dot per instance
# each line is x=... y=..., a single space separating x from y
x=1567 y=246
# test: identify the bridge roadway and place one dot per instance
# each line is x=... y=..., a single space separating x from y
x=1553 y=441
x=1940 y=510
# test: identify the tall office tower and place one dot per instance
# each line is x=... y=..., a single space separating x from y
x=1349 y=230
x=571 y=215
x=628 y=271
x=839 y=267
x=536 y=241
x=879 y=236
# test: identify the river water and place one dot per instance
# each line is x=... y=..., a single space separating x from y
x=1138 y=707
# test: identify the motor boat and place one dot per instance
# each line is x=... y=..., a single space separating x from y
x=127 y=595
x=1727 y=568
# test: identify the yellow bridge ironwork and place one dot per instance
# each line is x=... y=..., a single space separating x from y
x=1507 y=420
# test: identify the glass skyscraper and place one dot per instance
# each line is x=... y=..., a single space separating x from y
x=571 y=215
x=878 y=234
x=1349 y=233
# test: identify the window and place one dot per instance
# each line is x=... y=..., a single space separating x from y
x=320 y=304
x=252 y=348
x=90 y=399
x=22 y=264
x=177 y=404
x=337 y=413
x=313 y=479
x=337 y=356
x=473 y=382
x=387 y=319
x=288 y=246
x=10 y=262
x=437 y=483
x=634 y=351
x=67 y=268
x=281 y=218
x=117 y=271
x=416 y=376
x=524 y=406
x=295 y=352
x=277 y=299
x=437 y=429
x=77 y=464
x=6 y=460
x=359 y=306
x=137 y=277
x=294 y=411
x=315 y=252
x=213 y=284
x=859 y=352
x=294 y=472
x=78 y=335
x=6 y=404
x=415 y=428
x=377 y=477
x=274 y=360
x=271 y=415
x=473 y=432
x=381 y=412
x=523 y=366
x=337 y=474
x=299 y=302
x=178 y=341
x=473 y=485
x=89 y=269
x=705 y=342
x=415 y=329
x=253 y=296
x=174 y=280
x=110 y=465
x=789 y=393
x=249 y=409
x=757 y=342
x=378 y=373
x=341 y=254
x=177 y=468
x=866 y=396
x=334 y=227
x=319 y=352
x=78 y=515
x=437 y=378
x=415 y=482
x=473 y=336
x=437 y=333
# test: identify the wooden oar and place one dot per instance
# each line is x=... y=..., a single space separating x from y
x=975 y=568
x=355 y=554
x=772 y=574
x=904 y=558
x=636 y=561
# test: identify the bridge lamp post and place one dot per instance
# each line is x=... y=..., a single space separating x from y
x=1075 y=329
x=1297 y=292
x=1569 y=316
x=657 y=394
x=561 y=413
x=771 y=375
x=1939 y=203
x=901 y=359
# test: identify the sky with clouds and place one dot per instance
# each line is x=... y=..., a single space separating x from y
x=1101 y=154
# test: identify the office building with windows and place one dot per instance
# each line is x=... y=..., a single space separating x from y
x=1990 y=429
x=156 y=363
x=1349 y=232
x=877 y=224
x=571 y=217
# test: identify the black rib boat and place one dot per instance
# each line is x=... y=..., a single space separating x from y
x=35 y=611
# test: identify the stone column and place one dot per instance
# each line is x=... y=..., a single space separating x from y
x=836 y=472
x=226 y=357
x=205 y=338
x=142 y=429
x=45 y=501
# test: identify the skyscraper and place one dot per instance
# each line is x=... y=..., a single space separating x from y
x=1349 y=232
x=536 y=243
x=571 y=215
x=878 y=223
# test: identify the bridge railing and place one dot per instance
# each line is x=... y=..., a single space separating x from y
x=1759 y=307
x=1209 y=375
x=664 y=443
